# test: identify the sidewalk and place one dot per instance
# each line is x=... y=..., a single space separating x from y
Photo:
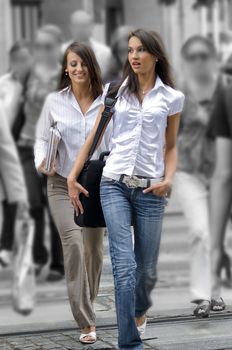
x=184 y=333
x=171 y=324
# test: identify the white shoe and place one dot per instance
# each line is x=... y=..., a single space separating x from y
x=92 y=335
x=5 y=258
x=142 y=328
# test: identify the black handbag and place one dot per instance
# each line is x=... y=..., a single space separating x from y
x=91 y=174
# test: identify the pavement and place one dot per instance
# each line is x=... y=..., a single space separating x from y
x=171 y=324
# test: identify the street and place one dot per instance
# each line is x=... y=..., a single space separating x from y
x=171 y=324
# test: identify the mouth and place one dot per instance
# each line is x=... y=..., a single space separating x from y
x=136 y=64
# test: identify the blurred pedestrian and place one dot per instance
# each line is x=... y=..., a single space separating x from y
x=137 y=178
x=12 y=88
x=43 y=79
x=196 y=161
x=221 y=192
x=81 y=28
x=13 y=82
x=12 y=184
x=119 y=48
x=74 y=109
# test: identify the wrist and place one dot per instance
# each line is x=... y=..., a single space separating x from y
x=168 y=180
x=71 y=179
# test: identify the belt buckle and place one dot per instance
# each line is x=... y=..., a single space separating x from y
x=132 y=181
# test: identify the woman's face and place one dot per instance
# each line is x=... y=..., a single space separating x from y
x=141 y=61
x=199 y=61
x=47 y=50
x=77 y=69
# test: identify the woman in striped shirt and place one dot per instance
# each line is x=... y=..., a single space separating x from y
x=74 y=109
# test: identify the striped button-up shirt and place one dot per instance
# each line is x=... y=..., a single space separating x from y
x=62 y=108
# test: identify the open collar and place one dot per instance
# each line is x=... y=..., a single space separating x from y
x=158 y=83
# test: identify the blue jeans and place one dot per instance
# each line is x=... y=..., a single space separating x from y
x=133 y=264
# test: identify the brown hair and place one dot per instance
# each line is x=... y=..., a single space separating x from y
x=154 y=45
x=87 y=55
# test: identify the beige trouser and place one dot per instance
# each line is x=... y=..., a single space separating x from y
x=83 y=253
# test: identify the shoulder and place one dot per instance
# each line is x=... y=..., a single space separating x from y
x=59 y=94
x=175 y=98
x=53 y=98
x=174 y=94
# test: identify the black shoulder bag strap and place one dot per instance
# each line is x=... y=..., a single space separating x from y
x=110 y=101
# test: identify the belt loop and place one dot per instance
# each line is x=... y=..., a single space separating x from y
x=121 y=178
x=148 y=183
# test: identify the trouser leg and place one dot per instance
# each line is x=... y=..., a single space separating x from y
x=118 y=215
x=8 y=226
x=35 y=188
x=74 y=252
x=93 y=244
x=193 y=197
x=148 y=211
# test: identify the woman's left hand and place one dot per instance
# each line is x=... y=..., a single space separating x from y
x=42 y=170
x=161 y=189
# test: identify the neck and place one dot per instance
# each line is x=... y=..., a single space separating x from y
x=81 y=91
x=146 y=81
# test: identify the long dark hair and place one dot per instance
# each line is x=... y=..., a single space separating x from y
x=152 y=42
x=87 y=55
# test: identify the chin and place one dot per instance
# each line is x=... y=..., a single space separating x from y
x=80 y=81
x=136 y=71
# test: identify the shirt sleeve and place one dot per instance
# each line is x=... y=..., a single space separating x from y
x=177 y=103
x=220 y=125
x=42 y=133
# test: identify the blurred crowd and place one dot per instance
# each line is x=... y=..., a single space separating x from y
x=203 y=181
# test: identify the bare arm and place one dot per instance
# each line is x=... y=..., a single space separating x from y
x=221 y=191
x=163 y=188
x=74 y=187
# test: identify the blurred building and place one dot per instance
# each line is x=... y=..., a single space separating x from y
x=175 y=22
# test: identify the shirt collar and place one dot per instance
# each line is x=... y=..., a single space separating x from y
x=158 y=83
x=66 y=89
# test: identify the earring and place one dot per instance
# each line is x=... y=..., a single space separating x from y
x=66 y=73
x=156 y=60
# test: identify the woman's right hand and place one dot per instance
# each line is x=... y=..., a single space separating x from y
x=74 y=191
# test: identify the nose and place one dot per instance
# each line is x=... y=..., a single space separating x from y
x=79 y=67
x=135 y=54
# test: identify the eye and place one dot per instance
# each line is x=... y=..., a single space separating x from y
x=142 y=49
x=130 y=50
x=73 y=63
